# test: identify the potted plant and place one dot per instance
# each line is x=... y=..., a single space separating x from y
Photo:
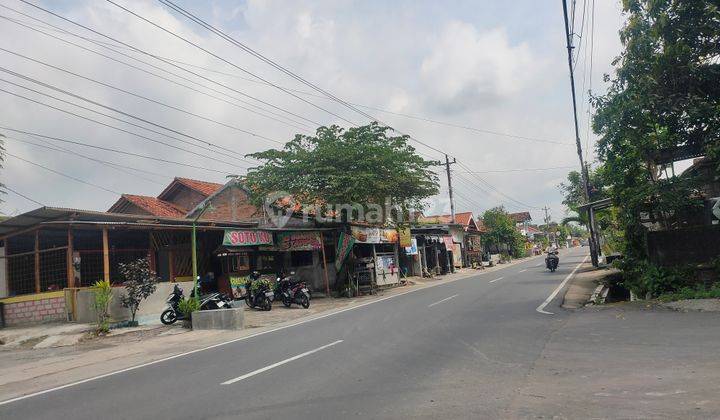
x=186 y=307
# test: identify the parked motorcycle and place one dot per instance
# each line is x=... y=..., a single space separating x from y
x=258 y=293
x=297 y=293
x=207 y=302
x=552 y=260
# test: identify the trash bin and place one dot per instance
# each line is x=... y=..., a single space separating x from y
x=2 y=315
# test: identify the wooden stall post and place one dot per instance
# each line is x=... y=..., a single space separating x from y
x=327 y=281
x=37 y=261
x=69 y=259
x=106 y=255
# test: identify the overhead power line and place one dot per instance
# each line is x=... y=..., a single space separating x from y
x=274 y=115
x=23 y=196
x=137 y=95
x=105 y=124
x=374 y=108
x=229 y=39
x=109 y=149
x=225 y=60
x=295 y=76
x=143 y=52
x=121 y=168
x=63 y=174
x=519 y=170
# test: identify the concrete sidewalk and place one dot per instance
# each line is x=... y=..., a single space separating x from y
x=583 y=284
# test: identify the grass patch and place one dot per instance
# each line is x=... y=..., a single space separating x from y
x=698 y=292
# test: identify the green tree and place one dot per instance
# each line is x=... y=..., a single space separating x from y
x=501 y=231
x=362 y=166
x=664 y=95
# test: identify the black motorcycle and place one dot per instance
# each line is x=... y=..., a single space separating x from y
x=207 y=302
x=552 y=260
x=258 y=293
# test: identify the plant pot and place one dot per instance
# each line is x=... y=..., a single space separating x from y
x=187 y=323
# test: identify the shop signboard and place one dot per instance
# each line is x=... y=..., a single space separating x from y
x=298 y=241
x=247 y=238
x=405 y=237
x=412 y=249
x=373 y=235
x=344 y=246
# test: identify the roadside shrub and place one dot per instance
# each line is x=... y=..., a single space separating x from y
x=140 y=282
x=101 y=303
x=648 y=280
x=698 y=292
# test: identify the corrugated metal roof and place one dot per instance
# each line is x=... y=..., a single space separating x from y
x=57 y=214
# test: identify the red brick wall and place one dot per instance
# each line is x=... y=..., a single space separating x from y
x=231 y=204
x=185 y=198
x=35 y=311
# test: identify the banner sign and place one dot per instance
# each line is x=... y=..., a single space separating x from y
x=344 y=246
x=405 y=237
x=298 y=241
x=247 y=238
x=373 y=235
x=412 y=249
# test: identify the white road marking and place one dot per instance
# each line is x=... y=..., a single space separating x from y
x=547 y=301
x=538 y=264
x=234 y=340
x=441 y=301
x=499 y=278
x=280 y=363
x=523 y=270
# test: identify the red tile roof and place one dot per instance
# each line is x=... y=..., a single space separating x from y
x=460 y=218
x=202 y=187
x=155 y=206
x=523 y=216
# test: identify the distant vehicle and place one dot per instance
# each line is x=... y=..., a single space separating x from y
x=552 y=260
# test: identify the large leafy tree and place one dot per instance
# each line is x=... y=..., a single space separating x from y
x=361 y=166
x=664 y=94
x=501 y=231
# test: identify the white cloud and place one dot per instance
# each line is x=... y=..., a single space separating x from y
x=468 y=69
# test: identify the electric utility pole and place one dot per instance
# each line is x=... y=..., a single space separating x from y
x=452 y=203
x=583 y=168
x=547 y=223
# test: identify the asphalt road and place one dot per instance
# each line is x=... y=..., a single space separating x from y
x=464 y=349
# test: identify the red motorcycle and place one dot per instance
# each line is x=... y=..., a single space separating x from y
x=295 y=292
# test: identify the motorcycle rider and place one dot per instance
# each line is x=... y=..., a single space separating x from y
x=552 y=259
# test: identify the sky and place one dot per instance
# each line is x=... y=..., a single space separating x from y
x=488 y=66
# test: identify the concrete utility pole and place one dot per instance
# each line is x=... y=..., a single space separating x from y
x=547 y=223
x=447 y=169
x=583 y=168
